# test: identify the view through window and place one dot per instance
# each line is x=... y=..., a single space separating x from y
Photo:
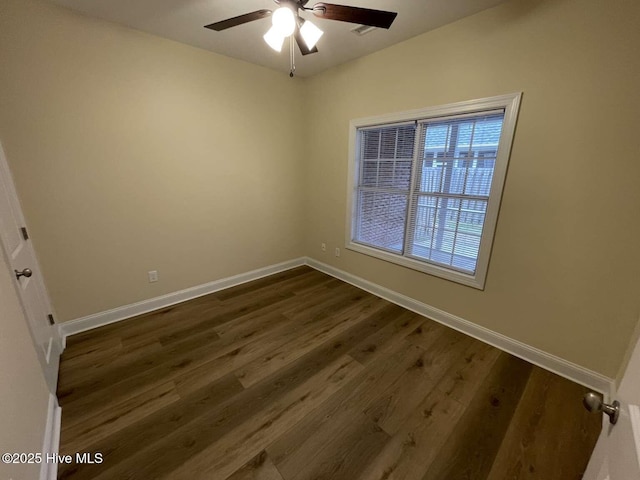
x=423 y=188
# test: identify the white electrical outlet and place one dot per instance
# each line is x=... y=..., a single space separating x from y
x=337 y=252
x=153 y=276
x=323 y=247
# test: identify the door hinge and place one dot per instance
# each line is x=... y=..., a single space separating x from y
x=51 y=320
x=25 y=235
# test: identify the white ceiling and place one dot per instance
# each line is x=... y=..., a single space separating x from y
x=183 y=20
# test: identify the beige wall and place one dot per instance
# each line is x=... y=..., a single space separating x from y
x=133 y=153
x=565 y=269
x=23 y=392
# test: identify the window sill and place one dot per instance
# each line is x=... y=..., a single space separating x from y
x=474 y=281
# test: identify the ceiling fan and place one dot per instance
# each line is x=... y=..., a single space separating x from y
x=287 y=21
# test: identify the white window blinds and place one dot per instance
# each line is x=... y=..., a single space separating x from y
x=386 y=160
x=423 y=187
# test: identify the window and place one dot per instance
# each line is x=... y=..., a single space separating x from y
x=425 y=186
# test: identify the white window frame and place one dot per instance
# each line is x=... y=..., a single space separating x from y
x=510 y=104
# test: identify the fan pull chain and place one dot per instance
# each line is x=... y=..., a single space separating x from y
x=292 y=58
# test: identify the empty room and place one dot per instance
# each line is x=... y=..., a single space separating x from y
x=299 y=240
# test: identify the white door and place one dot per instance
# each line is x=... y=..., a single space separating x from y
x=20 y=256
x=617 y=453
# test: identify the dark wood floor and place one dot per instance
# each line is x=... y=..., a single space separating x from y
x=300 y=376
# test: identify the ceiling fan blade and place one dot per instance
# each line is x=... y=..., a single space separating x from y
x=239 y=20
x=302 y=45
x=363 y=16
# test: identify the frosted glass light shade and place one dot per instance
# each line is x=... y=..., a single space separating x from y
x=310 y=34
x=284 y=21
x=274 y=39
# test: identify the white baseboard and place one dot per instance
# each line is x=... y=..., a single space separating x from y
x=121 y=313
x=564 y=368
x=51 y=442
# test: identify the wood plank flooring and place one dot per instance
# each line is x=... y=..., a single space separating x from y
x=299 y=376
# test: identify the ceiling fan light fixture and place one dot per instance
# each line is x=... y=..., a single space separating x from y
x=284 y=21
x=310 y=33
x=287 y=23
x=274 y=39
